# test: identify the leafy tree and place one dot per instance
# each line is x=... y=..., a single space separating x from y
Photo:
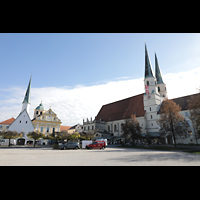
x=74 y=136
x=59 y=135
x=131 y=129
x=171 y=121
x=87 y=136
x=35 y=135
x=10 y=135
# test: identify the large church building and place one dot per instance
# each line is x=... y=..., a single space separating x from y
x=145 y=106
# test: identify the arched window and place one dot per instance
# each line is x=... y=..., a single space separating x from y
x=108 y=128
x=115 y=128
x=158 y=89
x=147 y=82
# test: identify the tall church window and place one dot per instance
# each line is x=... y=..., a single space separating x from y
x=147 y=82
x=108 y=128
x=115 y=128
x=158 y=89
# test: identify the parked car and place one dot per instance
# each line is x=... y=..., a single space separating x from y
x=70 y=145
x=96 y=145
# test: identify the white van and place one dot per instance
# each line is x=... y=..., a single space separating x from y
x=86 y=142
x=4 y=142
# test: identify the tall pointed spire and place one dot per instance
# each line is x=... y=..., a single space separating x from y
x=158 y=72
x=27 y=95
x=148 y=68
x=26 y=103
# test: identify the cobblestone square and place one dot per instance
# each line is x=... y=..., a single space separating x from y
x=111 y=156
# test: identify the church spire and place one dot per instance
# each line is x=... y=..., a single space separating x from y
x=148 y=68
x=158 y=72
x=27 y=95
x=26 y=103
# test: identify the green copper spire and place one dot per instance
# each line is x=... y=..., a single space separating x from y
x=158 y=72
x=27 y=95
x=148 y=68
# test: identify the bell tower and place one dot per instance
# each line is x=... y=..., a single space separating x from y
x=38 y=110
x=151 y=98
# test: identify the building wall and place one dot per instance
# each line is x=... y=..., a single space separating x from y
x=47 y=123
x=22 y=124
x=4 y=127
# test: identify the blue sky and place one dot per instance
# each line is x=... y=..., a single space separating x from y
x=77 y=62
x=68 y=59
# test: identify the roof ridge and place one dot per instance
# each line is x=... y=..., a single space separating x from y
x=122 y=99
x=184 y=96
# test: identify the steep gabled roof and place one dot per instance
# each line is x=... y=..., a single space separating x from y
x=25 y=113
x=181 y=101
x=122 y=109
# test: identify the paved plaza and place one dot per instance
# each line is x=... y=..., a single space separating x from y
x=111 y=156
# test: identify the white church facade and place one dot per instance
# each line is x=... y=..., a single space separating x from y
x=23 y=124
x=145 y=106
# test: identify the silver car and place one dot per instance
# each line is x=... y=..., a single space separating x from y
x=70 y=145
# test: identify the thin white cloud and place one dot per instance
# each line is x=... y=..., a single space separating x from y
x=74 y=104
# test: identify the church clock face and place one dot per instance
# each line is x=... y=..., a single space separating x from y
x=149 y=96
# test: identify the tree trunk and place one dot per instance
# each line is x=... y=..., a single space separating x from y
x=174 y=138
x=9 y=142
x=34 y=142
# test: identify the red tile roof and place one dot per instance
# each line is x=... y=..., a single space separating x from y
x=64 y=128
x=8 y=121
x=122 y=109
x=181 y=101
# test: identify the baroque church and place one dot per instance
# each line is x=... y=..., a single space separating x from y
x=145 y=106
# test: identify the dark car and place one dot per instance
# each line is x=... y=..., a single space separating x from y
x=70 y=145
